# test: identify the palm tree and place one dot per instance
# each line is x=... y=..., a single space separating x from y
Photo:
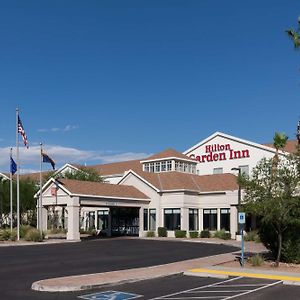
x=295 y=35
x=279 y=142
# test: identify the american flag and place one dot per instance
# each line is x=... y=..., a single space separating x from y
x=22 y=131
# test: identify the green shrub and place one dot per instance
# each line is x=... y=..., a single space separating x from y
x=34 y=235
x=150 y=234
x=4 y=234
x=290 y=242
x=162 y=232
x=205 y=234
x=222 y=234
x=180 y=233
x=256 y=260
x=194 y=234
x=24 y=229
x=13 y=235
x=252 y=236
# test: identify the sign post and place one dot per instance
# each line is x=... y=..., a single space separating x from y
x=242 y=220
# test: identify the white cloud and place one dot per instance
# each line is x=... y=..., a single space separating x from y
x=30 y=158
x=56 y=129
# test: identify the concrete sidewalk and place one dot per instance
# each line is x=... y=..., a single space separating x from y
x=82 y=282
x=223 y=272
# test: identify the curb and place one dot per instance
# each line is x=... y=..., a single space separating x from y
x=220 y=272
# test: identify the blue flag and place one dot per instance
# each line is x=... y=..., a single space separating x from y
x=47 y=159
x=13 y=166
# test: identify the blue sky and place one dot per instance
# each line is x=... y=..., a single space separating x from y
x=101 y=81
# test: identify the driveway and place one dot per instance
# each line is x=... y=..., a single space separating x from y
x=20 y=266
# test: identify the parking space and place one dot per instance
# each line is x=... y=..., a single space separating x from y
x=227 y=289
x=180 y=287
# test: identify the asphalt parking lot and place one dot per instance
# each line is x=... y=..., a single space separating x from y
x=21 y=266
x=180 y=287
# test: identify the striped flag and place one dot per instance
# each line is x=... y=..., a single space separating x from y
x=22 y=132
x=47 y=159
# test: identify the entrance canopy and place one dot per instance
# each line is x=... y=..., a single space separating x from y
x=74 y=194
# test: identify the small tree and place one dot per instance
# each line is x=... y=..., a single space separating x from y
x=279 y=142
x=295 y=35
x=274 y=197
x=84 y=174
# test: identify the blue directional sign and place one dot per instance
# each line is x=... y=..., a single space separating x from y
x=110 y=295
x=242 y=218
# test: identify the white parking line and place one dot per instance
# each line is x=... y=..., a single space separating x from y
x=252 y=291
x=197 y=288
x=216 y=290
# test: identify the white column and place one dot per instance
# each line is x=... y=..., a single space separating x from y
x=96 y=220
x=73 y=219
x=200 y=219
x=141 y=221
x=109 y=229
x=44 y=222
x=233 y=221
x=218 y=219
x=185 y=219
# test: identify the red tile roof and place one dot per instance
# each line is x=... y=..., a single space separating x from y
x=78 y=187
x=291 y=146
x=167 y=181
x=168 y=153
x=117 y=168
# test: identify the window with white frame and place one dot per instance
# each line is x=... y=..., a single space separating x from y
x=225 y=219
x=152 y=167
x=152 y=219
x=169 y=165
x=172 y=218
x=193 y=219
x=218 y=171
x=244 y=170
x=210 y=219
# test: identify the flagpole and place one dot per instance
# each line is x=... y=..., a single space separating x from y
x=18 y=176
x=40 y=222
x=10 y=188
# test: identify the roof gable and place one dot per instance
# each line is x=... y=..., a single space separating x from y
x=230 y=138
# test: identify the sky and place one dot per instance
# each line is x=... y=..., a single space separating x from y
x=103 y=81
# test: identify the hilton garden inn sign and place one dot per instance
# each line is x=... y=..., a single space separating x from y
x=220 y=152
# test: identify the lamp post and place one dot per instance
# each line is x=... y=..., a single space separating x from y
x=239 y=190
x=241 y=218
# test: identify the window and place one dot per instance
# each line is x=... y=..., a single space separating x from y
x=172 y=218
x=152 y=219
x=185 y=167
x=163 y=166
x=169 y=165
x=145 y=219
x=218 y=171
x=157 y=167
x=91 y=220
x=193 y=219
x=152 y=167
x=210 y=219
x=146 y=167
x=193 y=169
x=102 y=219
x=244 y=170
x=225 y=219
